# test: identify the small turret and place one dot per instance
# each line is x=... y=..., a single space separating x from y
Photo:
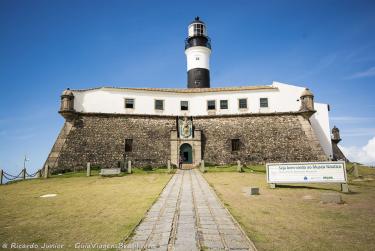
x=335 y=139
x=336 y=135
x=307 y=100
x=307 y=103
x=67 y=104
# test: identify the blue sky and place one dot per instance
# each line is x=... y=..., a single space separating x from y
x=47 y=46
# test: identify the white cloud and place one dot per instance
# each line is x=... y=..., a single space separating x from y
x=364 y=155
x=367 y=73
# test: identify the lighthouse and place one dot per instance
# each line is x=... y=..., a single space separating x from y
x=198 y=51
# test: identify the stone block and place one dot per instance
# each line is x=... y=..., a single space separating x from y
x=254 y=190
x=88 y=169
x=54 y=155
x=345 y=188
x=203 y=168
x=110 y=171
x=129 y=166
x=239 y=166
x=355 y=171
x=331 y=198
x=250 y=190
x=46 y=171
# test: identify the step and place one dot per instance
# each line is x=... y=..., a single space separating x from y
x=187 y=166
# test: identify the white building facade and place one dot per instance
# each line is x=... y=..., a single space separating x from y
x=274 y=98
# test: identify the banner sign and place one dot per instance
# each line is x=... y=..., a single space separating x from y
x=307 y=172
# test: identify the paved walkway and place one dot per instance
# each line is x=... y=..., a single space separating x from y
x=188 y=216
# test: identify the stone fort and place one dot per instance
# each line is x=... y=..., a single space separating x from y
x=149 y=126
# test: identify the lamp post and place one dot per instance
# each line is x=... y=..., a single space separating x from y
x=24 y=167
x=24 y=162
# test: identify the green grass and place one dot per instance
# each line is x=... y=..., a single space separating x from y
x=86 y=209
x=96 y=172
x=363 y=170
x=233 y=168
x=283 y=219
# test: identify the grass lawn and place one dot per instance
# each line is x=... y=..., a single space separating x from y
x=292 y=217
x=86 y=209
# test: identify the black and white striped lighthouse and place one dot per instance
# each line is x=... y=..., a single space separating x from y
x=198 y=51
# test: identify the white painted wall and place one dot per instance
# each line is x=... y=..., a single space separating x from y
x=191 y=30
x=285 y=98
x=198 y=57
x=320 y=124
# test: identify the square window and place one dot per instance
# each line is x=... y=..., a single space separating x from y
x=235 y=145
x=184 y=105
x=159 y=104
x=263 y=102
x=211 y=105
x=223 y=104
x=129 y=103
x=242 y=103
x=128 y=145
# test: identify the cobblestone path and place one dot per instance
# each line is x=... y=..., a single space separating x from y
x=188 y=216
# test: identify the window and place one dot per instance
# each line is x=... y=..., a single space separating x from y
x=128 y=145
x=184 y=105
x=199 y=29
x=129 y=103
x=263 y=102
x=159 y=104
x=235 y=145
x=211 y=105
x=223 y=104
x=197 y=82
x=242 y=103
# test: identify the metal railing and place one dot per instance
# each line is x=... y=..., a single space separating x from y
x=198 y=41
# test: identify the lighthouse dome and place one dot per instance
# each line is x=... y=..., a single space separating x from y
x=197 y=21
x=306 y=93
x=67 y=92
x=197 y=28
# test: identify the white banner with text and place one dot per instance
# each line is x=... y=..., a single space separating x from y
x=307 y=172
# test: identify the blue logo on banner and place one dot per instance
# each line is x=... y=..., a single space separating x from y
x=305 y=178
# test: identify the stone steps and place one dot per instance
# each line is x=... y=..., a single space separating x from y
x=187 y=166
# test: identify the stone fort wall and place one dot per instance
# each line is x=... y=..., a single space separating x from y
x=100 y=140
x=275 y=138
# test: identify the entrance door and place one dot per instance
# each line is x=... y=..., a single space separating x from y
x=186 y=153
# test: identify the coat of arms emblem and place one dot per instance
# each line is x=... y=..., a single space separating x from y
x=186 y=128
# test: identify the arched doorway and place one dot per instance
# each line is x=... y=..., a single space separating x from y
x=186 y=153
